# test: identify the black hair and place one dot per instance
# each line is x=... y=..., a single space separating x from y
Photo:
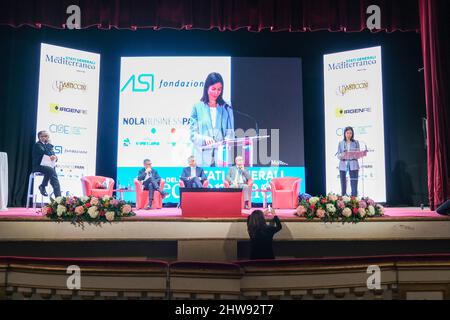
x=353 y=133
x=255 y=223
x=40 y=133
x=212 y=79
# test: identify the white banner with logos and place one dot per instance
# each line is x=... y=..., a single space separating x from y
x=68 y=110
x=353 y=89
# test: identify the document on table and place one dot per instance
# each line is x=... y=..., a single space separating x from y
x=47 y=162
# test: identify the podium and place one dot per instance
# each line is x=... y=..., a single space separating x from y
x=353 y=155
x=356 y=155
x=226 y=150
x=211 y=203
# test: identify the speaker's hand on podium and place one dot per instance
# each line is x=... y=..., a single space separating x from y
x=209 y=141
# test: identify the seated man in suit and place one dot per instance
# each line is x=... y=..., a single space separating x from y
x=150 y=180
x=193 y=176
x=41 y=148
x=238 y=177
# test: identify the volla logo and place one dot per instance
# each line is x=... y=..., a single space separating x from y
x=140 y=83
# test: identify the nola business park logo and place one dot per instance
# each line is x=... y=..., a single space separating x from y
x=147 y=83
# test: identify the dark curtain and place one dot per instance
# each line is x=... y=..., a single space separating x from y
x=254 y=15
x=429 y=16
x=435 y=31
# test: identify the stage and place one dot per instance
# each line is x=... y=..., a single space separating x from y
x=212 y=238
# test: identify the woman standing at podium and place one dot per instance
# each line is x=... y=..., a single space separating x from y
x=350 y=165
x=211 y=121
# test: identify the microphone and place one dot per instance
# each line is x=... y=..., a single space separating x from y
x=249 y=117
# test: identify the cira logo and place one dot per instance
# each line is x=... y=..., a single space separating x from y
x=140 y=83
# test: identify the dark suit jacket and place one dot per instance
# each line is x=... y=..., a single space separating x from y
x=39 y=150
x=198 y=172
x=154 y=174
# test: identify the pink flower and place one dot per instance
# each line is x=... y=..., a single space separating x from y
x=46 y=210
x=362 y=212
x=79 y=210
x=114 y=202
x=94 y=201
x=301 y=210
x=362 y=204
x=126 y=209
x=320 y=213
x=341 y=204
x=371 y=202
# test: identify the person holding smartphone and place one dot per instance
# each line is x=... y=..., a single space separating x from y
x=261 y=234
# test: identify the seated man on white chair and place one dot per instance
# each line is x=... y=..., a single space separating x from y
x=41 y=148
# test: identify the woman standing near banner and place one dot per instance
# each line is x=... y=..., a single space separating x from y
x=212 y=121
x=348 y=165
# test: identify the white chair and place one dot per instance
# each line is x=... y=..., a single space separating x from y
x=30 y=193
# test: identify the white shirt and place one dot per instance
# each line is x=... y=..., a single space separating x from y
x=193 y=172
x=213 y=116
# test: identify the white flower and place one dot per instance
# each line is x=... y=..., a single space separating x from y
x=347 y=212
x=371 y=211
x=59 y=200
x=60 y=210
x=346 y=199
x=314 y=200
x=331 y=208
x=109 y=215
x=381 y=208
x=105 y=198
x=84 y=199
x=93 y=212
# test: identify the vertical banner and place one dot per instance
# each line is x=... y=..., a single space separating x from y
x=68 y=110
x=353 y=91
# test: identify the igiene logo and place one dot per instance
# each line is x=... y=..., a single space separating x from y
x=343 y=112
x=56 y=108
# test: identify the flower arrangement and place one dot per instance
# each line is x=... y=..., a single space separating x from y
x=90 y=209
x=334 y=208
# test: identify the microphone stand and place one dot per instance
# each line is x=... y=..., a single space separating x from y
x=249 y=117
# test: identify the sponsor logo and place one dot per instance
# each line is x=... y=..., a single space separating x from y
x=344 y=112
x=145 y=82
x=66 y=129
x=71 y=62
x=61 y=150
x=56 y=108
x=136 y=121
x=60 y=86
x=360 y=130
x=353 y=63
x=140 y=83
x=342 y=90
